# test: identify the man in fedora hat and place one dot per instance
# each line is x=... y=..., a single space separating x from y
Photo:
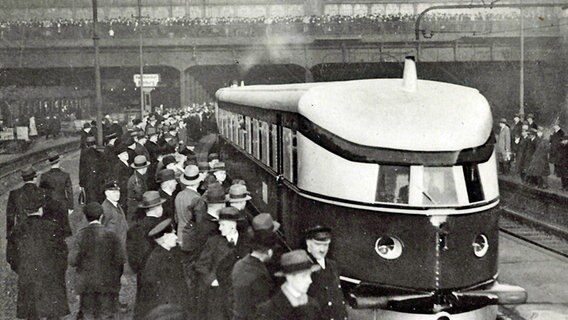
x=530 y=121
x=220 y=174
x=18 y=197
x=57 y=182
x=136 y=186
x=188 y=202
x=326 y=287
x=122 y=171
x=292 y=300
x=215 y=264
x=98 y=271
x=138 y=245
x=37 y=252
x=85 y=133
x=237 y=197
x=91 y=172
x=251 y=281
x=516 y=135
x=168 y=186
x=503 y=146
x=161 y=278
x=140 y=140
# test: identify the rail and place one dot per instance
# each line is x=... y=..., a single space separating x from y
x=533 y=231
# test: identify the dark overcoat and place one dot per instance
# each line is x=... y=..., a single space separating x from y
x=135 y=188
x=138 y=244
x=251 y=286
x=168 y=206
x=99 y=258
x=58 y=185
x=539 y=165
x=556 y=146
x=37 y=251
x=92 y=174
x=14 y=208
x=212 y=301
x=162 y=282
x=121 y=173
x=187 y=202
x=326 y=289
x=526 y=150
x=279 y=308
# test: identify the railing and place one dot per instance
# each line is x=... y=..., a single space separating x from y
x=182 y=28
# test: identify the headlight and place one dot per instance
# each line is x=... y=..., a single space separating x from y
x=388 y=247
x=480 y=245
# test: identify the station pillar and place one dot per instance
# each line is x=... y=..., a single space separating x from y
x=183 y=89
x=564 y=64
x=196 y=92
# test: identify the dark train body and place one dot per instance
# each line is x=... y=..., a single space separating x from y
x=413 y=211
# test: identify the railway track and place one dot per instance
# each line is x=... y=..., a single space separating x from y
x=538 y=234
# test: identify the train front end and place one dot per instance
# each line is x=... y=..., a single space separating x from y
x=412 y=197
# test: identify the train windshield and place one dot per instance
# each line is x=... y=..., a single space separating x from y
x=433 y=186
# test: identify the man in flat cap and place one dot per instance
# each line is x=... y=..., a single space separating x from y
x=251 y=281
x=114 y=218
x=292 y=300
x=161 y=280
x=37 y=252
x=98 y=271
x=18 y=197
x=326 y=287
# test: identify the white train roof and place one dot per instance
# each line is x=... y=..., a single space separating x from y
x=436 y=116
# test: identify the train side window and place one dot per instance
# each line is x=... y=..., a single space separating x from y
x=473 y=183
x=288 y=154
x=264 y=143
x=255 y=139
x=274 y=147
x=229 y=128
x=248 y=138
x=240 y=123
x=393 y=184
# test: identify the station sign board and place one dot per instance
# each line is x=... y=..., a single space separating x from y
x=150 y=80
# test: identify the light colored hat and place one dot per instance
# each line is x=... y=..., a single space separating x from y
x=238 y=193
x=191 y=176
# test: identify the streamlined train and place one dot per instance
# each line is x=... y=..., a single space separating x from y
x=403 y=170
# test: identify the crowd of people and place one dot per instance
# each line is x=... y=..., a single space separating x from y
x=188 y=27
x=530 y=149
x=164 y=210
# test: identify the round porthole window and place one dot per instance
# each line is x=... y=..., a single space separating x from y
x=388 y=247
x=480 y=245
